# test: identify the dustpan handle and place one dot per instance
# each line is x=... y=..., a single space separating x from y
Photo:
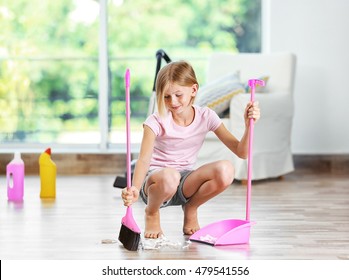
x=252 y=84
x=128 y=132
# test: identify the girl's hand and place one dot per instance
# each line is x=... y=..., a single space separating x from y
x=252 y=111
x=129 y=195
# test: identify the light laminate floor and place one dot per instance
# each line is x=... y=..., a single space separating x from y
x=303 y=216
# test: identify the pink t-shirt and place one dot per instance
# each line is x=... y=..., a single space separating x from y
x=178 y=146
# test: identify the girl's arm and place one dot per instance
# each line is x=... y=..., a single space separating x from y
x=228 y=139
x=143 y=161
x=131 y=195
x=240 y=148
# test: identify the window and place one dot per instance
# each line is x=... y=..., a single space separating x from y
x=48 y=81
x=51 y=62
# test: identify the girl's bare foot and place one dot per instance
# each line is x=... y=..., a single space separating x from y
x=190 y=224
x=152 y=225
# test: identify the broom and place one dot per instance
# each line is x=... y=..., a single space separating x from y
x=130 y=234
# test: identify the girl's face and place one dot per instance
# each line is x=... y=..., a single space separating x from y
x=178 y=98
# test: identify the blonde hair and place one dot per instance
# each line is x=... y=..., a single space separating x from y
x=180 y=73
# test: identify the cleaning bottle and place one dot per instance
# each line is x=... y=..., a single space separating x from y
x=48 y=172
x=15 y=178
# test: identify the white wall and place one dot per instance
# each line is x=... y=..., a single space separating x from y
x=317 y=32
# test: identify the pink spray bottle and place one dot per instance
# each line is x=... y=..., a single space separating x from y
x=15 y=178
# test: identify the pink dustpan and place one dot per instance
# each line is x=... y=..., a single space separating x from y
x=232 y=232
x=225 y=232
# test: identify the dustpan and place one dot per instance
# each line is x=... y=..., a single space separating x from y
x=233 y=231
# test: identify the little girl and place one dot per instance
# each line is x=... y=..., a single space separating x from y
x=172 y=138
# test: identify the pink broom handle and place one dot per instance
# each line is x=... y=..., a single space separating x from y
x=129 y=212
x=128 y=219
x=252 y=84
x=128 y=132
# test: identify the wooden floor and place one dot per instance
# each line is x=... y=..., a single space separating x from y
x=303 y=216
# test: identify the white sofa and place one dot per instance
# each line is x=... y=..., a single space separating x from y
x=272 y=156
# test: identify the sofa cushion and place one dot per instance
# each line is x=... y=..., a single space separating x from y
x=218 y=93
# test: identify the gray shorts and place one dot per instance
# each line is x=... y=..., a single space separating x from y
x=177 y=199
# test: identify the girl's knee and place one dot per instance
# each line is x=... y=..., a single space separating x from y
x=224 y=172
x=168 y=180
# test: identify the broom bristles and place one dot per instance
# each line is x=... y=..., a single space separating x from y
x=129 y=238
x=120 y=182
